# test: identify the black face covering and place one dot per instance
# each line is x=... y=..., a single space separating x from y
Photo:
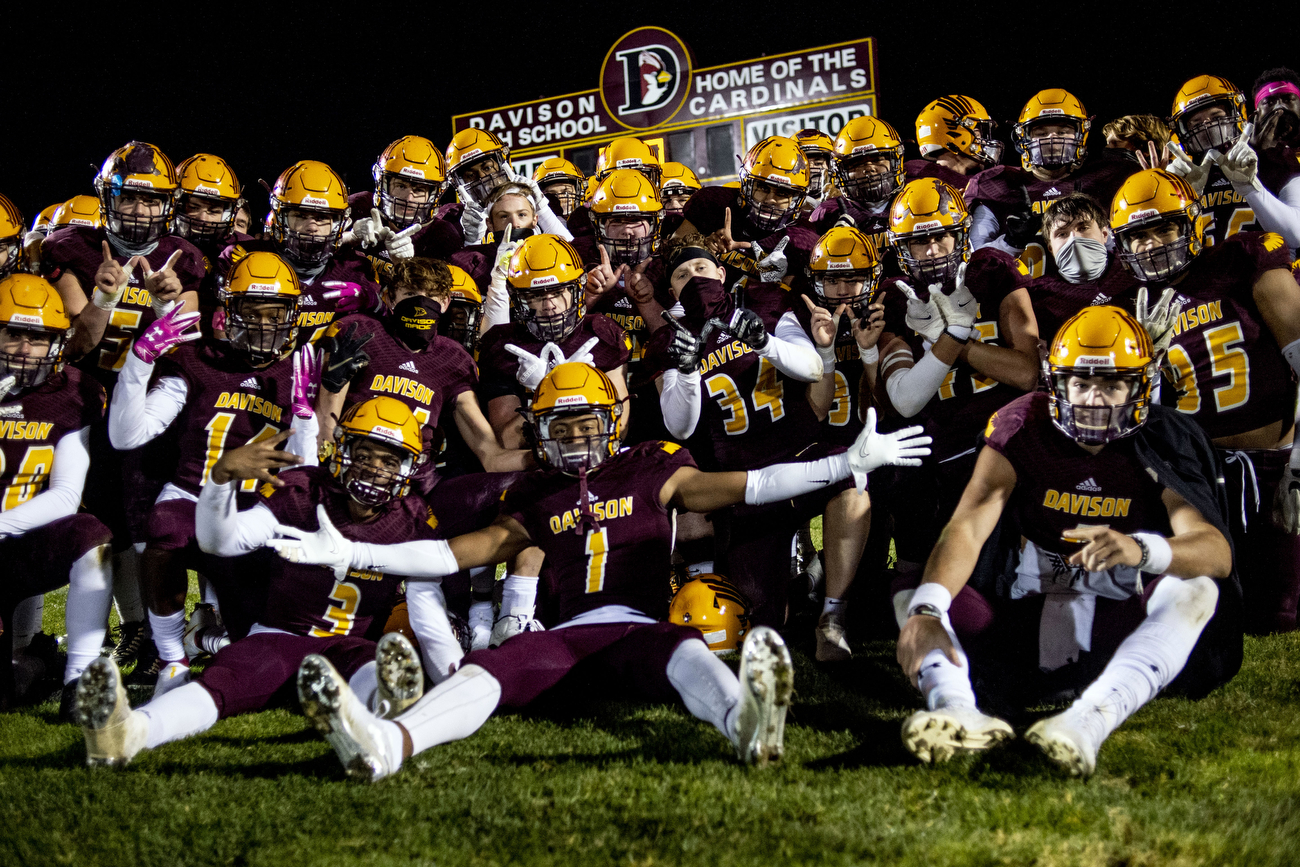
x=703 y=298
x=415 y=321
x=516 y=235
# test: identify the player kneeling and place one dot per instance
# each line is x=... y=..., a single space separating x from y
x=600 y=515
x=1128 y=493
x=310 y=609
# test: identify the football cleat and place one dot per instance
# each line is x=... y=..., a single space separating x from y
x=133 y=641
x=401 y=678
x=1070 y=739
x=510 y=625
x=170 y=676
x=329 y=703
x=114 y=733
x=205 y=633
x=831 y=643
x=935 y=736
x=766 y=687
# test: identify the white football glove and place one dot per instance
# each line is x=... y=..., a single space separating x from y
x=533 y=368
x=1240 y=165
x=535 y=195
x=366 y=229
x=1286 y=505
x=400 y=245
x=772 y=267
x=473 y=219
x=959 y=308
x=325 y=547
x=924 y=317
x=872 y=450
x=7 y=385
x=1182 y=165
x=1159 y=321
x=584 y=353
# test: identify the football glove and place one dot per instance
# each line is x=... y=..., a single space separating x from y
x=959 y=308
x=164 y=334
x=747 y=327
x=924 y=317
x=1023 y=225
x=1159 y=321
x=872 y=450
x=685 y=349
x=306 y=380
x=772 y=267
x=346 y=359
x=326 y=547
x=1182 y=165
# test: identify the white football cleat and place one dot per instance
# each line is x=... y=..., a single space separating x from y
x=766 y=687
x=510 y=625
x=170 y=676
x=400 y=676
x=832 y=646
x=1070 y=739
x=353 y=732
x=935 y=736
x=114 y=733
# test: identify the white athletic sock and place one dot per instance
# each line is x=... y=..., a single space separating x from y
x=942 y=683
x=90 y=596
x=168 y=630
x=439 y=648
x=519 y=594
x=454 y=709
x=27 y=620
x=480 y=622
x=835 y=606
x=126 y=586
x=707 y=686
x=179 y=713
x=1153 y=655
x=365 y=685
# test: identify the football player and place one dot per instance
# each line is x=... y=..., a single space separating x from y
x=1117 y=561
x=817 y=149
x=479 y=164
x=362 y=497
x=13 y=254
x=1277 y=108
x=1007 y=203
x=309 y=210
x=36 y=236
x=397 y=221
x=955 y=135
x=610 y=551
x=208 y=196
x=220 y=394
x=1135 y=133
x=563 y=180
x=867 y=164
x=46 y=413
x=680 y=183
x=1234 y=348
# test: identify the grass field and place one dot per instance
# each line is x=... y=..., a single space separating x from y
x=618 y=782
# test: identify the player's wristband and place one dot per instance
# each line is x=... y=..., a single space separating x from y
x=827 y=354
x=930 y=595
x=105 y=300
x=959 y=333
x=1156 y=553
x=869 y=356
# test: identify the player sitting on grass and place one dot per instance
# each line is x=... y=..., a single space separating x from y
x=309 y=609
x=1112 y=524
x=601 y=516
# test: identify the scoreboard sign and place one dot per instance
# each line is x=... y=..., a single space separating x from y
x=649 y=86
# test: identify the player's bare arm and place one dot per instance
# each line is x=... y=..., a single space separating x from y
x=1016 y=365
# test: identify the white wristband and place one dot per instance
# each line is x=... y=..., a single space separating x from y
x=827 y=354
x=959 y=332
x=1291 y=352
x=869 y=356
x=1158 y=553
x=931 y=593
x=105 y=300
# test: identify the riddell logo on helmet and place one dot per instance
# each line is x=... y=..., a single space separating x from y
x=263 y=287
x=1095 y=361
x=548 y=280
x=412 y=171
x=380 y=430
x=25 y=319
x=570 y=400
x=864 y=149
x=470 y=154
x=846 y=265
x=313 y=200
x=782 y=178
x=625 y=207
x=201 y=188
x=1142 y=215
x=927 y=224
x=1053 y=111
x=633 y=163
x=137 y=182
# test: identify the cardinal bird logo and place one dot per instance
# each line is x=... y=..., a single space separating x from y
x=651 y=77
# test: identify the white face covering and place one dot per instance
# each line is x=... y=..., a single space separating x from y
x=1080 y=259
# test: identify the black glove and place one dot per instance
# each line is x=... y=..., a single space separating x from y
x=1023 y=226
x=345 y=358
x=748 y=328
x=685 y=349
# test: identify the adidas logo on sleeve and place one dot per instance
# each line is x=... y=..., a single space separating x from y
x=408 y=366
x=1089 y=485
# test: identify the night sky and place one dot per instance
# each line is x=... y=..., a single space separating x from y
x=305 y=81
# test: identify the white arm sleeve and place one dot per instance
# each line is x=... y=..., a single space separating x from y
x=63 y=496
x=422 y=558
x=135 y=417
x=223 y=530
x=1280 y=214
x=439 y=648
x=984 y=227
x=786 y=481
x=791 y=350
x=679 y=400
x=496 y=306
x=910 y=390
x=302 y=442
x=549 y=223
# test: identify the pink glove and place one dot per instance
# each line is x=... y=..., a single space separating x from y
x=351 y=297
x=306 y=380
x=219 y=320
x=159 y=339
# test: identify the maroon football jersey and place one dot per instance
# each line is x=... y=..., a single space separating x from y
x=966 y=399
x=1228 y=210
x=1056 y=299
x=1002 y=190
x=309 y=600
x=917 y=169
x=31 y=425
x=428 y=382
x=79 y=250
x=843 y=421
x=1231 y=375
x=229 y=404
x=825 y=215
x=500 y=365
x=619 y=555
x=315 y=311
x=1060 y=486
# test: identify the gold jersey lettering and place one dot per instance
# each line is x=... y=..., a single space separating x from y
x=1085 y=505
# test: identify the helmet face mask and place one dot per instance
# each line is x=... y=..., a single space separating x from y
x=1053 y=150
x=409 y=176
x=1214 y=131
x=567 y=448
x=378 y=447
x=844 y=256
x=931 y=215
x=937 y=269
x=1209 y=112
x=194 y=217
x=1165 y=259
x=773 y=183
x=261 y=328
x=460 y=322
x=133 y=216
x=553 y=325
x=479 y=178
x=30 y=369
x=632 y=248
x=1101 y=368
x=307 y=236
x=858 y=302
x=411 y=202
x=778 y=204
x=857 y=178
x=1100 y=423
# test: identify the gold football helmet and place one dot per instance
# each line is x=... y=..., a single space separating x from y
x=561 y=179
x=1101 y=342
x=77 y=211
x=713 y=605
x=307 y=194
x=626 y=195
x=1219 y=131
x=479 y=162
x=864 y=145
x=629 y=152
x=210 y=180
x=575 y=389
x=680 y=183
x=1156 y=220
x=546 y=281
x=845 y=255
x=135 y=188
x=960 y=125
x=817 y=148
x=417 y=164
x=773 y=182
x=12 y=232
x=30 y=305
x=464 y=311
x=374 y=480
x=254 y=327
x=1057 y=149
x=928 y=208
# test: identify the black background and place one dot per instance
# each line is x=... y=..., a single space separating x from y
x=264 y=85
